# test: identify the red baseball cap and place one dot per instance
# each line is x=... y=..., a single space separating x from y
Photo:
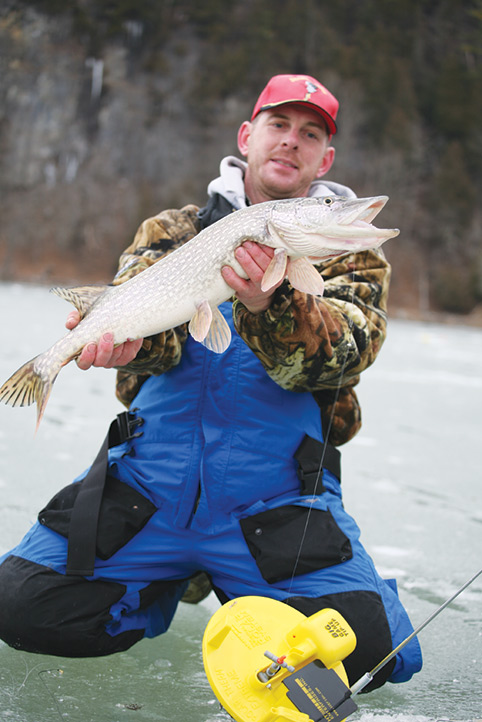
x=282 y=89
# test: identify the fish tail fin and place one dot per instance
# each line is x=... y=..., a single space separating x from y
x=27 y=386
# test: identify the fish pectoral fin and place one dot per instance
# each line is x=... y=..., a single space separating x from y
x=219 y=335
x=276 y=270
x=209 y=327
x=82 y=297
x=201 y=321
x=304 y=277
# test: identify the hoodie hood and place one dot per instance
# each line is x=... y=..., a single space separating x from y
x=230 y=184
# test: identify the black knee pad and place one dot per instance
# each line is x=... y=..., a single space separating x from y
x=365 y=613
x=45 y=612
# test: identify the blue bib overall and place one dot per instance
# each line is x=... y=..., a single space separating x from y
x=218 y=436
x=216 y=460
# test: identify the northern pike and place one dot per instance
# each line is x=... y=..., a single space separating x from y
x=187 y=285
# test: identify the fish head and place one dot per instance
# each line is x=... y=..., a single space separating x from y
x=322 y=228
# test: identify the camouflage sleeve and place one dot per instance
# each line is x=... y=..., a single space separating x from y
x=155 y=238
x=321 y=345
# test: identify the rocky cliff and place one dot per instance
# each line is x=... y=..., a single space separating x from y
x=110 y=113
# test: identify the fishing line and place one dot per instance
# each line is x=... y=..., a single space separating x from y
x=368 y=676
x=326 y=435
x=28 y=672
x=47 y=671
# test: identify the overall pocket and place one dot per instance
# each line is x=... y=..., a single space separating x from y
x=124 y=511
x=292 y=540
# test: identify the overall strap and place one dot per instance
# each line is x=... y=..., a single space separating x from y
x=313 y=457
x=86 y=510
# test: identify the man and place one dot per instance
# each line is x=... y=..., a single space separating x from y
x=227 y=466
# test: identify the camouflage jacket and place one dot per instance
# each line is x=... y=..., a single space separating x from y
x=305 y=343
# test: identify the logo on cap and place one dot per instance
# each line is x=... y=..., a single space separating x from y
x=310 y=86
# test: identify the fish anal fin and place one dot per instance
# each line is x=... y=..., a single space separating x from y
x=82 y=297
x=209 y=327
x=201 y=321
x=219 y=335
x=304 y=277
x=276 y=270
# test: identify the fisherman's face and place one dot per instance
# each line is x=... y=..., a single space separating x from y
x=286 y=148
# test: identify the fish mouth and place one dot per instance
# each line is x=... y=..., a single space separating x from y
x=361 y=211
x=352 y=220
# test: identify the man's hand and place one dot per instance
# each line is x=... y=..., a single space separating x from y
x=254 y=259
x=104 y=354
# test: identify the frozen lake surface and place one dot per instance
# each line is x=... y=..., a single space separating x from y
x=411 y=478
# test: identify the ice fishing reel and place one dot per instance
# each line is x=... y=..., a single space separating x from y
x=268 y=662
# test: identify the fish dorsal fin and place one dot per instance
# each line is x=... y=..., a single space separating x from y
x=209 y=327
x=276 y=270
x=304 y=277
x=82 y=297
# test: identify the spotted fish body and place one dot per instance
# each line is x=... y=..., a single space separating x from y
x=187 y=285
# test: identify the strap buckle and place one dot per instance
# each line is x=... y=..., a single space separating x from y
x=125 y=428
x=313 y=457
